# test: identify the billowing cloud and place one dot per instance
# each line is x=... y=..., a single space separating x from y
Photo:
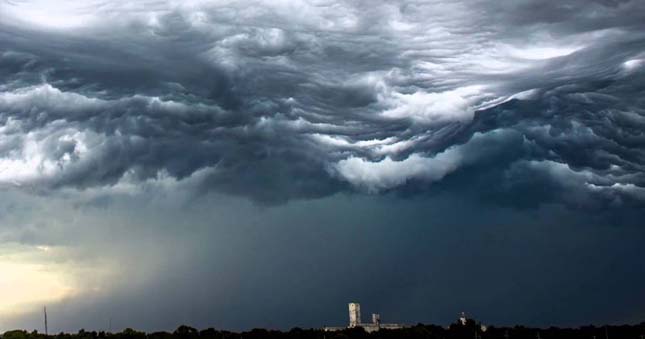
x=177 y=88
x=388 y=173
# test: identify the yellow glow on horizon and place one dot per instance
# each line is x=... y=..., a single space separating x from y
x=24 y=286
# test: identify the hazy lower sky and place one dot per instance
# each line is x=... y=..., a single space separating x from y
x=243 y=164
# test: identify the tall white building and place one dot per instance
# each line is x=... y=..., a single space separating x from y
x=354 y=314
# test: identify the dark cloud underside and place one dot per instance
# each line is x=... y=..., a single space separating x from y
x=276 y=108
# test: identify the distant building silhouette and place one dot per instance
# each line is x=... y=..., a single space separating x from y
x=355 y=321
x=462 y=318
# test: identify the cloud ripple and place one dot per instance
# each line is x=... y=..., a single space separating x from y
x=301 y=99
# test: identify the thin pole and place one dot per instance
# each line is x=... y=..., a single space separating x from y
x=45 y=311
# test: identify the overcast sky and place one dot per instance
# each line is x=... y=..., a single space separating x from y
x=243 y=164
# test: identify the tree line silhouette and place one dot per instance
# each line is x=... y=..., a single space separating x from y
x=470 y=330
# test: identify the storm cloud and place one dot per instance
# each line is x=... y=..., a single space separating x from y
x=518 y=107
x=279 y=107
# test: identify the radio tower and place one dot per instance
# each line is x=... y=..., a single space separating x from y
x=45 y=312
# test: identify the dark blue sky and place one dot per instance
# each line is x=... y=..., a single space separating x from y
x=262 y=163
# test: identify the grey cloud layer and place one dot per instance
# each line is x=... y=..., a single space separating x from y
x=286 y=100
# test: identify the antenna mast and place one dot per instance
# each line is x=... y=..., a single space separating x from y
x=45 y=312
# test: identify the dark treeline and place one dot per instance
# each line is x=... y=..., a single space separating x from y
x=455 y=331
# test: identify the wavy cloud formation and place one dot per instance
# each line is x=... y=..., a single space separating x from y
x=280 y=100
